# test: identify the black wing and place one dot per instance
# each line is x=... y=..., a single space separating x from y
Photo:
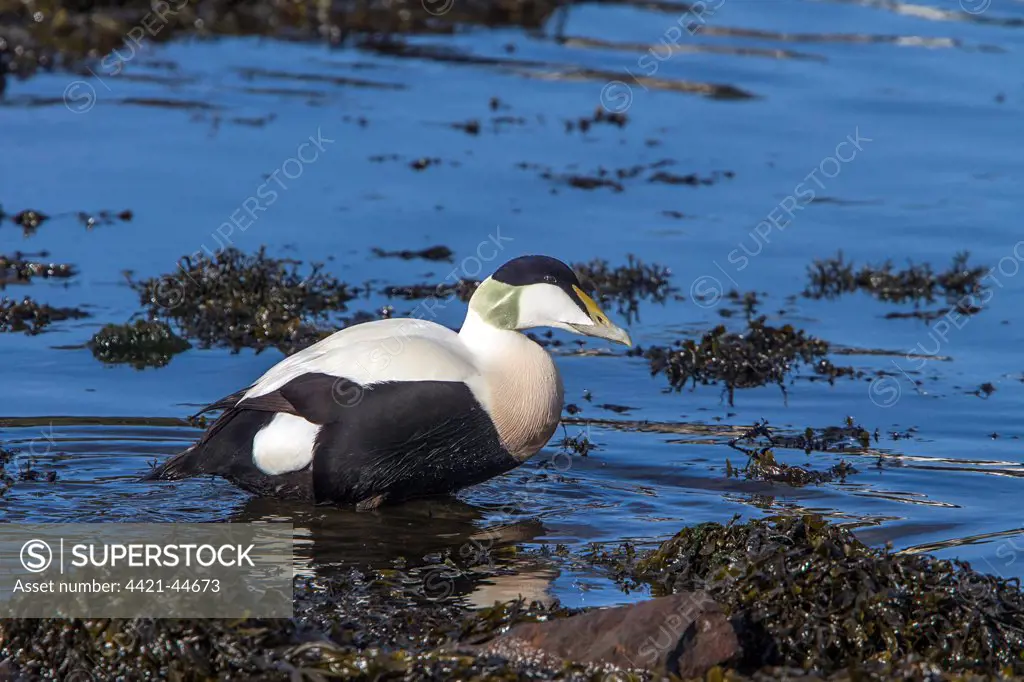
x=405 y=440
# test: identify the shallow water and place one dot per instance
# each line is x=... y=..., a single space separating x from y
x=932 y=94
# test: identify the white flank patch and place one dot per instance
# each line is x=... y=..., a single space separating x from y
x=284 y=445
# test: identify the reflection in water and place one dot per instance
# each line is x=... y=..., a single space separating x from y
x=436 y=547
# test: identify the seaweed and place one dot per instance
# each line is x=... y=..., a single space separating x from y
x=626 y=285
x=760 y=442
x=833 y=277
x=600 y=116
x=20 y=269
x=758 y=356
x=64 y=34
x=239 y=301
x=807 y=594
x=31 y=317
x=142 y=344
x=440 y=252
x=463 y=290
x=354 y=626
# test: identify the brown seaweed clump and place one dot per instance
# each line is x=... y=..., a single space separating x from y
x=435 y=253
x=760 y=441
x=352 y=627
x=626 y=285
x=807 y=594
x=758 y=356
x=833 y=277
x=142 y=344
x=245 y=301
x=31 y=317
x=20 y=269
x=60 y=33
x=462 y=290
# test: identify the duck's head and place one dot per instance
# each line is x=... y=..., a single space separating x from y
x=540 y=291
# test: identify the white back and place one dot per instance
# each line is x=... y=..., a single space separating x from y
x=379 y=351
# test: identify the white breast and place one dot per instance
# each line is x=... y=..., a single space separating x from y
x=523 y=386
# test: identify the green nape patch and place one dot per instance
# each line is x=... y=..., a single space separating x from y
x=236 y=300
x=31 y=317
x=807 y=594
x=758 y=356
x=142 y=344
x=833 y=277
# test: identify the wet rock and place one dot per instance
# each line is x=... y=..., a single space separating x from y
x=684 y=634
x=31 y=317
x=142 y=344
x=29 y=220
x=21 y=269
x=236 y=300
x=758 y=356
x=435 y=253
x=833 y=277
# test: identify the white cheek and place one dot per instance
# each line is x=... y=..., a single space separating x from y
x=546 y=305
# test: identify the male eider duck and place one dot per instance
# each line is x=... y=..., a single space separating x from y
x=390 y=410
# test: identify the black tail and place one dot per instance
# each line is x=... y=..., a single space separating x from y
x=182 y=465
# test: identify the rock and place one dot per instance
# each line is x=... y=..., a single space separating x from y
x=683 y=634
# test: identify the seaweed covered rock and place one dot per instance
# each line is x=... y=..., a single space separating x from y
x=142 y=344
x=807 y=594
x=759 y=355
x=242 y=301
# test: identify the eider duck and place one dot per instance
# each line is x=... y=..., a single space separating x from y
x=391 y=410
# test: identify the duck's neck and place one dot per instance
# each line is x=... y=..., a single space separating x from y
x=487 y=341
x=523 y=389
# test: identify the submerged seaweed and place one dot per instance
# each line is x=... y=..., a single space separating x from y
x=808 y=594
x=242 y=301
x=832 y=277
x=760 y=442
x=758 y=356
x=352 y=627
x=21 y=269
x=440 y=252
x=31 y=317
x=142 y=344
x=626 y=285
x=463 y=290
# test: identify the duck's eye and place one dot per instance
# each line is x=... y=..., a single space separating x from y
x=550 y=279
